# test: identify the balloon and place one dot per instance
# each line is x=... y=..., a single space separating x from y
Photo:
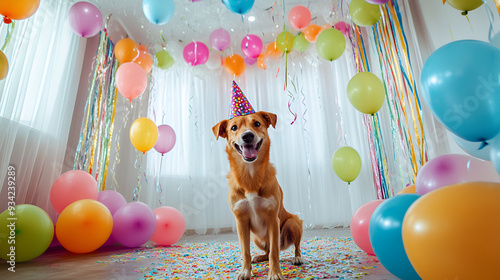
x=18 y=9
x=234 y=65
x=377 y=2
x=260 y=62
x=112 y=200
x=481 y=171
x=249 y=61
x=158 y=11
x=251 y=46
x=300 y=43
x=144 y=60
x=220 y=39
x=364 y=13
x=196 y=53
x=84 y=226
x=170 y=226
x=462 y=92
x=386 y=238
x=342 y=27
x=409 y=189
x=495 y=155
x=133 y=224
x=239 y=6
x=4 y=66
x=465 y=5
x=85 y=19
x=311 y=32
x=131 y=80
x=72 y=186
x=126 y=50
x=272 y=50
x=32 y=232
x=165 y=61
x=284 y=42
x=472 y=148
x=166 y=139
x=495 y=40
x=143 y=134
x=330 y=44
x=359 y=225
x=366 y=92
x=439 y=239
x=299 y=17
x=346 y=163
x=214 y=61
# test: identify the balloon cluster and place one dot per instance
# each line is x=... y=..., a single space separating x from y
x=145 y=135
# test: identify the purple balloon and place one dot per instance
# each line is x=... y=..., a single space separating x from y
x=220 y=39
x=251 y=46
x=249 y=60
x=377 y=2
x=85 y=19
x=196 y=53
x=133 y=224
x=113 y=200
x=166 y=139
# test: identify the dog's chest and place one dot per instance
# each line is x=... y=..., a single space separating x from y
x=257 y=208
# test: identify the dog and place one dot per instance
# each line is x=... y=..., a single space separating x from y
x=255 y=197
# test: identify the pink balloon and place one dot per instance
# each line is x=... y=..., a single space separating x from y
x=196 y=53
x=131 y=80
x=377 y=2
x=133 y=224
x=166 y=139
x=342 y=27
x=482 y=171
x=251 y=46
x=220 y=39
x=249 y=60
x=170 y=226
x=72 y=186
x=112 y=199
x=360 y=222
x=299 y=17
x=85 y=19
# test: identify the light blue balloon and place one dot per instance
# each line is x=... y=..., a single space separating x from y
x=461 y=84
x=386 y=235
x=239 y=6
x=474 y=149
x=495 y=153
x=158 y=11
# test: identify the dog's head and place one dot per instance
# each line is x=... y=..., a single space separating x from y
x=246 y=135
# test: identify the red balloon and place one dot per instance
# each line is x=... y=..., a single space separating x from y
x=359 y=225
x=72 y=186
x=131 y=80
x=299 y=17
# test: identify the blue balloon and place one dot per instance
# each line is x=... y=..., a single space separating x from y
x=461 y=84
x=158 y=11
x=495 y=153
x=239 y=6
x=385 y=231
x=474 y=149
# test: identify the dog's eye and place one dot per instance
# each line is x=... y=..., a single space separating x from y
x=234 y=128
x=256 y=124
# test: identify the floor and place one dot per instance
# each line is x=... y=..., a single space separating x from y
x=57 y=263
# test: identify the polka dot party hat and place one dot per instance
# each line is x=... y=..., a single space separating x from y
x=239 y=103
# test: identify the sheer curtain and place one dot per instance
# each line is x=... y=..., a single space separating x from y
x=37 y=99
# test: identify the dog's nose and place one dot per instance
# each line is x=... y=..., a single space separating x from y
x=248 y=137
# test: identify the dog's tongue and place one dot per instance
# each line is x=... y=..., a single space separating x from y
x=249 y=151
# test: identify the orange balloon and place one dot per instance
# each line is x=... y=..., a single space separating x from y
x=260 y=62
x=409 y=189
x=126 y=50
x=4 y=66
x=311 y=32
x=234 y=65
x=272 y=50
x=18 y=9
x=84 y=226
x=145 y=61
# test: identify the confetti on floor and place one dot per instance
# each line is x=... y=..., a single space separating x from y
x=325 y=258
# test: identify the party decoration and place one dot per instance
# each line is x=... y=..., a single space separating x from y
x=143 y=134
x=272 y=50
x=377 y=2
x=26 y=228
x=85 y=19
x=465 y=5
x=239 y=6
x=360 y=222
x=299 y=17
x=131 y=80
x=165 y=60
x=72 y=186
x=386 y=237
x=474 y=149
x=439 y=240
x=260 y=62
x=196 y=53
x=113 y=200
x=126 y=50
x=234 y=65
x=170 y=226
x=84 y=226
x=251 y=46
x=409 y=189
x=284 y=42
x=249 y=60
x=330 y=44
x=166 y=139
x=133 y=224
x=220 y=39
x=4 y=66
x=343 y=27
x=144 y=60
x=366 y=92
x=364 y=13
x=311 y=32
x=495 y=154
x=214 y=61
x=461 y=92
x=346 y=163
x=19 y=9
x=158 y=11
x=239 y=103
x=300 y=43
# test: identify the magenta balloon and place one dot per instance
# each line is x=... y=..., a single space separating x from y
x=111 y=199
x=166 y=139
x=85 y=19
x=442 y=171
x=220 y=39
x=251 y=46
x=377 y=2
x=342 y=27
x=249 y=60
x=133 y=224
x=196 y=53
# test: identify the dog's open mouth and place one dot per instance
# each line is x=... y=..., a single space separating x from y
x=248 y=151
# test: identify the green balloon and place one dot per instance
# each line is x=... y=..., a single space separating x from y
x=284 y=42
x=364 y=13
x=346 y=163
x=29 y=232
x=300 y=43
x=366 y=92
x=465 y=5
x=330 y=44
x=165 y=61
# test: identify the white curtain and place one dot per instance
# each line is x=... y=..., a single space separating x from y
x=37 y=99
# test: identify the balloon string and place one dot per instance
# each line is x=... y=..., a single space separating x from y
x=159 y=189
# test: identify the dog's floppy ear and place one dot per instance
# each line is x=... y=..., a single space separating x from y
x=220 y=129
x=270 y=118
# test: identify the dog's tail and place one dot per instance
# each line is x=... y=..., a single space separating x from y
x=291 y=232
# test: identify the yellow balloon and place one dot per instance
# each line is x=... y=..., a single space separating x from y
x=346 y=163
x=366 y=92
x=409 y=189
x=465 y=5
x=284 y=41
x=143 y=134
x=4 y=66
x=364 y=13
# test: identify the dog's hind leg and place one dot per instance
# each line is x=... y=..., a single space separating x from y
x=291 y=233
x=264 y=246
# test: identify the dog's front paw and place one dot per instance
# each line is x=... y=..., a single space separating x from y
x=297 y=261
x=275 y=277
x=244 y=274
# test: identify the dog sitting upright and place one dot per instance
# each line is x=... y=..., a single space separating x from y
x=255 y=197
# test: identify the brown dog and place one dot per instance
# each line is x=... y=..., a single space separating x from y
x=255 y=197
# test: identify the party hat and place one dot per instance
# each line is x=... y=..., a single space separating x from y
x=239 y=103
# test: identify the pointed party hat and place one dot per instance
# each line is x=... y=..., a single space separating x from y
x=239 y=103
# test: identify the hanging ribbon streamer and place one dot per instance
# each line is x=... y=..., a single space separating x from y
x=138 y=165
x=159 y=189
x=497 y=3
x=8 y=36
